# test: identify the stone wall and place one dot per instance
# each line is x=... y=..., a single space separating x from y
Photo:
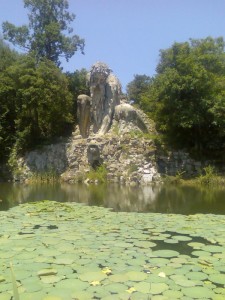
x=175 y=162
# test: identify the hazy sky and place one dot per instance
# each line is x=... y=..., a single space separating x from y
x=128 y=34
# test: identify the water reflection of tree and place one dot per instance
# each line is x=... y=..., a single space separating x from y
x=156 y=198
x=190 y=200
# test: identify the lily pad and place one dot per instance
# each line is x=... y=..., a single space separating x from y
x=51 y=279
x=198 y=292
x=165 y=253
x=2 y=279
x=213 y=248
x=197 y=276
x=72 y=284
x=182 y=238
x=82 y=295
x=170 y=294
x=92 y=276
x=217 y=278
x=115 y=287
x=47 y=272
x=136 y=276
x=52 y=298
x=153 y=288
x=121 y=277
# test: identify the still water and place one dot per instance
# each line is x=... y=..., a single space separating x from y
x=158 y=198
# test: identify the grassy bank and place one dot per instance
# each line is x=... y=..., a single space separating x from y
x=209 y=177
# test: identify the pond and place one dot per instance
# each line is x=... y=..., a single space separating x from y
x=158 y=198
x=107 y=242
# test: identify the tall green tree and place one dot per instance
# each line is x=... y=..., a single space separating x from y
x=187 y=96
x=137 y=87
x=7 y=55
x=37 y=104
x=77 y=85
x=7 y=100
x=48 y=33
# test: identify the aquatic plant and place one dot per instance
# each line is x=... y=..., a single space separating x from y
x=50 y=176
x=68 y=251
x=99 y=174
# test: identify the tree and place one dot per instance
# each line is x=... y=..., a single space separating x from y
x=187 y=96
x=77 y=85
x=7 y=97
x=137 y=87
x=36 y=104
x=7 y=55
x=45 y=35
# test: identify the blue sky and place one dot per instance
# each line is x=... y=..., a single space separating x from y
x=128 y=34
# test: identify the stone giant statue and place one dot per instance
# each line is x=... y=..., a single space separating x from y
x=95 y=113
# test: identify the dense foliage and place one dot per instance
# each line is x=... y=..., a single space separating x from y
x=36 y=104
x=38 y=101
x=187 y=96
x=45 y=34
x=137 y=87
x=77 y=86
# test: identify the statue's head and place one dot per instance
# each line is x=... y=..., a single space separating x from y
x=99 y=73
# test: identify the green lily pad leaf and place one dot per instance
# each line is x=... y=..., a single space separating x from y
x=136 y=276
x=92 y=276
x=64 y=261
x=171 y=294
x=47 y=272
x=198 y=292
x=139 y=296
x=201 y=253
x=52 y=298
x=182 y=238
x=153 y=288
x=51 y=279
x=171 y=241
x=197 y=276
x=121 y=277
x=165 y=253
x=72 y=284
x=82 y=295
x=158 y=288
x=34 y=286
x=217 y=278
x=5 y=296
x=124 y=245
x=34 y=296
x=182 y=281
x=116 y=287
x=2 y=279
x=213 y=249
x=144 y=244
x=196 y=245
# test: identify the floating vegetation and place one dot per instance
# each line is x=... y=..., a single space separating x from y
x=69 y=251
